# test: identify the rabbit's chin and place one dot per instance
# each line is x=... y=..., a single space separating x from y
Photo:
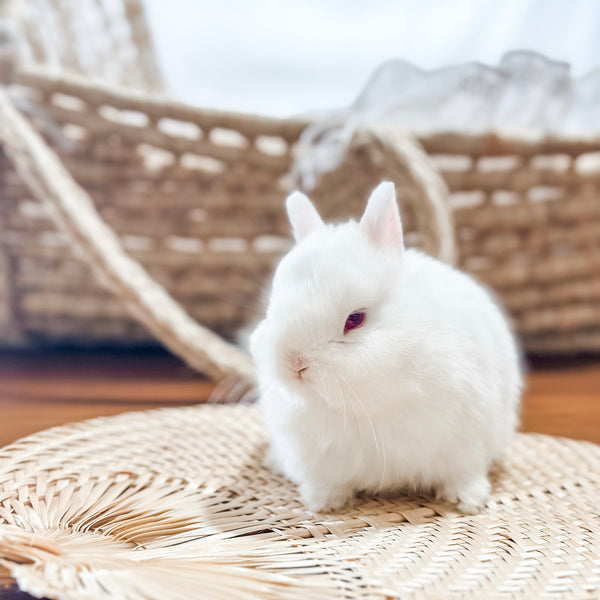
x=309 y=391
x=340 y=407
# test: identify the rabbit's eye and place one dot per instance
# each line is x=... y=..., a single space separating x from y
x=353 y=321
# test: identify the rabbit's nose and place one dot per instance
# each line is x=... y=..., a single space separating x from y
x=297 y=364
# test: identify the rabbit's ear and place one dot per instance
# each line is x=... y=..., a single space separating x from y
x=381 y=219
x=303 y=216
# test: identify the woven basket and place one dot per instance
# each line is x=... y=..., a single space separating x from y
x=195 y=196
x=108 y=39
x=527 y=218
x=176 y=504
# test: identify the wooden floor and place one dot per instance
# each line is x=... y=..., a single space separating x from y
x=46 y=389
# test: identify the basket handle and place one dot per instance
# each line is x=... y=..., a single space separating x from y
x=48 y=179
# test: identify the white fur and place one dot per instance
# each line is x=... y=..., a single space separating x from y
x=423 y=397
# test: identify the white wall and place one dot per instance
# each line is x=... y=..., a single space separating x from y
x=283 y=57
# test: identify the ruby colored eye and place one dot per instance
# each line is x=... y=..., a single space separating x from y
x=353 y=321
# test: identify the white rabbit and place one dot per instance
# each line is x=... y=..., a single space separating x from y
x=382 y=369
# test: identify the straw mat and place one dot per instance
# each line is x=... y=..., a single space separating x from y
x=175 y=503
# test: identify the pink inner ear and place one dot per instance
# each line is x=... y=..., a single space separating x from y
x=381 y=220
x=392 y=228
x=384 y=228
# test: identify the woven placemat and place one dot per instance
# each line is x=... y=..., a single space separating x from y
x=175 y=503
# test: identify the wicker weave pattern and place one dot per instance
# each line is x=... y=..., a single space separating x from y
x=74 y=211
x=196 y=197
x=173 y=182
x=108 y=39
x=527 y=216
x=170 y=502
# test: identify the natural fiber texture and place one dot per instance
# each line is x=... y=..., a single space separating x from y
x=195 y=196
x=174 y=503
x=108 y=39
x=46 y=176
x=527 y=217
